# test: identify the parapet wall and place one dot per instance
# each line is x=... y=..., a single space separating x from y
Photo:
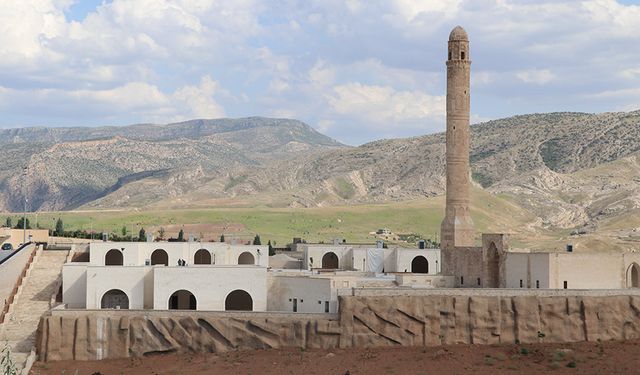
x=364 y=321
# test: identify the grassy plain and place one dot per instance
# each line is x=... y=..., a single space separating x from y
x=491 y=214
x=354 y=223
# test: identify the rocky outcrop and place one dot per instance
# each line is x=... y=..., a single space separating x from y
x=363 y=322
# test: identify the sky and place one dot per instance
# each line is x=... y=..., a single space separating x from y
x=356 y=70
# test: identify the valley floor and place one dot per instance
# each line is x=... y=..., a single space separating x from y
x=584 y=358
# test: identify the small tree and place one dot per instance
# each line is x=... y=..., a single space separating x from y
x=222 y=238
x=272 y=251
x=21 y=222
x=7 y=365
x=142 y=235
x=181 y=235
x=9 y=222
x=256 y=240
x=124 y=231
x=161 y=233
x=59 y=227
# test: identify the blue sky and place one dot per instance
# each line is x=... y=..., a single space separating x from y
x=356 y=70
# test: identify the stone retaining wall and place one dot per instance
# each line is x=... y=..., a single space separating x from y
x=416 y=320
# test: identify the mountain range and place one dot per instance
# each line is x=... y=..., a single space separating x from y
x=574 y=171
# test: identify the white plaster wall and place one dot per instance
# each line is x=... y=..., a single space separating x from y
x=358 y=259
x=210 y=285
x=316 y=252
x=516 y=265
x=136 y=253
x=539 y=268
x=128 y=279
x=390 y=261
x=404 y=257
x=74 y=285
x=588 y=270
x=310 y=293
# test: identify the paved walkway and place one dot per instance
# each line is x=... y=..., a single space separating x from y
x=20 y=325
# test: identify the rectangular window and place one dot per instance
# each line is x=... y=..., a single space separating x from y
x=478 y=281
x=537 y=284
x=462 y=55
x=565 y=285
x=295 y=305
x=461 y=280
x=520 y=283
x=326 y=306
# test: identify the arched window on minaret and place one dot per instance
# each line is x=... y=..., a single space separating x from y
x=449 y=55
x=462 y=55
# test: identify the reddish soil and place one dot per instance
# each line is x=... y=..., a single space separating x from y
x=577 y=358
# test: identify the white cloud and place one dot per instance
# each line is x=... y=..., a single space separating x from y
x=199 y=100
x=384 y=104
x=344 y=66
x=144 y=101
x=321 y=74
x=536 y=76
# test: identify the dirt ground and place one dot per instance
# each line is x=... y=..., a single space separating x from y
x=577 y=358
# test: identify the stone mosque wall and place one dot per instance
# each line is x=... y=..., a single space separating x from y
x=419 y=319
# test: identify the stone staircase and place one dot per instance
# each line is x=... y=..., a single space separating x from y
x=32 y=301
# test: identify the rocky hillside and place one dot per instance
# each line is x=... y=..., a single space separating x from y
x=571 y=169
x=69 y=167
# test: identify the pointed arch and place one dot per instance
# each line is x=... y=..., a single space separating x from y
x=633 y=275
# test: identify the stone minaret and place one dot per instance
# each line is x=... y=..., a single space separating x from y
x=457 y=227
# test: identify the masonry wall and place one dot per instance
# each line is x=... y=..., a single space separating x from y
x=416 y=319
x=465 y=263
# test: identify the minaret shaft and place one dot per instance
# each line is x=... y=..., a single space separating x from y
x=457 y=228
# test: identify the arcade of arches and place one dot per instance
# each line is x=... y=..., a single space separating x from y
x=159 y=256
x=182 y=300
x=114 y=299
x=238 y=300
x=113 y=258
x=246 y=258
x=202 y=256
x=420 y=264
x=330 y=261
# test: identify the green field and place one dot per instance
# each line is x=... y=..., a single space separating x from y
x=353 y=223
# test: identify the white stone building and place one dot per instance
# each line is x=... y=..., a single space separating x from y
x=146 y=275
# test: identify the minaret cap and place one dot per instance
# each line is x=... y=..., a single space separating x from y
x=458 y=33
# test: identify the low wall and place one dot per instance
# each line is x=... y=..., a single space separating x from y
x=11 y=270
x=364 y=321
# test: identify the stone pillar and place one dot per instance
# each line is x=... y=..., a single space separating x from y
x=457 y=228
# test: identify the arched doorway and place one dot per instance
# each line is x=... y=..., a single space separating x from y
x=633 y=276
x=159 y=256
x=420 y=264
x=113 y=258
x=182 y=300
x=246 y=258
x=114 y=299
x=493 y=267
x=330 y=261
x=238 y=300
x=202 y=256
